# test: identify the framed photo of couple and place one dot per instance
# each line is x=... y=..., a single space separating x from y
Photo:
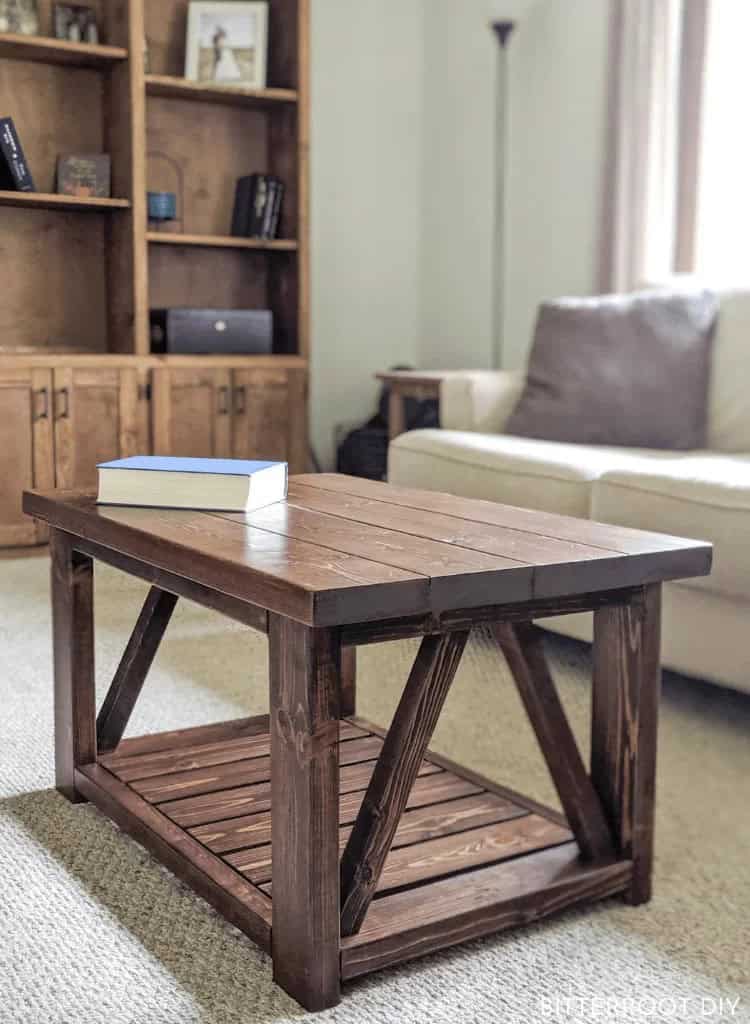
x=227 y=43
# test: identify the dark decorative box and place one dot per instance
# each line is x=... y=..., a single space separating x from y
x=212 y=331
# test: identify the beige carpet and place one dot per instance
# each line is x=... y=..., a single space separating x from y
x=93 y=931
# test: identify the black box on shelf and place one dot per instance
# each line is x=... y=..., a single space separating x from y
x=187 y=331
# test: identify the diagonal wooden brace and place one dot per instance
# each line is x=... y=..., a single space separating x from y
x=133 y=668
x=523 y=647
x=388 y=792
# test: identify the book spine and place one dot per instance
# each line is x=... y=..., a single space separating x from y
x=12 y=152
x=277 y=204
x=258 y=205
x=242 y=207
x=273 y=187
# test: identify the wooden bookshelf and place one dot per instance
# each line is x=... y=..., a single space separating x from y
x=78 y=382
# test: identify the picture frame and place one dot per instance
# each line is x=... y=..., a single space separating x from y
x=76 y=23
x=19 y=16
x=227 y=43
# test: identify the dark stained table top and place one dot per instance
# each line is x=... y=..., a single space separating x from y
x=342 y=550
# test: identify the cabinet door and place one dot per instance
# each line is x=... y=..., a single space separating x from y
x=26 y=448
x=97 y=417
x=192 y=412
x=270 y=415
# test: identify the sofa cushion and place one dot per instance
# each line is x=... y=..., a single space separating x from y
x=628 y=370
x=729 y=393
x=544 y=475
x=706 y=497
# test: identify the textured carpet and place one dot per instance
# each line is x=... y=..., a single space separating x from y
x=92 y=930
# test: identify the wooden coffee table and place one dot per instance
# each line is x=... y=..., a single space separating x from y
x=349 y=848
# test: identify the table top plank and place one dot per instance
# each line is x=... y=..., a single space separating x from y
x=622 y=539
x=344 y=550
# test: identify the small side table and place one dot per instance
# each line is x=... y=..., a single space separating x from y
x=408 y=384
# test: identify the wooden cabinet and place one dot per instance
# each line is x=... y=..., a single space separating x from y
x=235 y=412
x=192 y=412
x=26 y=449
x=268 y=416
x=99 y=414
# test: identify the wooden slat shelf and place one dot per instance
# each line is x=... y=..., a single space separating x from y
x=47 y=50
x=469 y=857
x=222 y=241
x=182 y=88
x=53 y=201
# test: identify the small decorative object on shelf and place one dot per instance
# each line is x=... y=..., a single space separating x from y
x=85 y=175
x=257 y=206
x=20 y=16
x=15 y=175
x=77 y=23
x=162 y=206
x=227 y=43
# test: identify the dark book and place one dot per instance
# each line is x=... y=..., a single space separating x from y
x=14 y=171
x=87 y=175
x=278 y=200
x=243 y=197
x=260 y=197
x=273 y=187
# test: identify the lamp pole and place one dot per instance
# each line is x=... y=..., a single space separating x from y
x=502 y=30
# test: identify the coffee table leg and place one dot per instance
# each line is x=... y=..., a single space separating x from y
x=305 y=683
x=73 y=646
x=626 y=690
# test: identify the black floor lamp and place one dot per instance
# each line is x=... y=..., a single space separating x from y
x=502 y=30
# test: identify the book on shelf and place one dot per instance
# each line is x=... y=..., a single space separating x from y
x=15 y=175
x=257 y=206
x=216 y=485
x=85 y=174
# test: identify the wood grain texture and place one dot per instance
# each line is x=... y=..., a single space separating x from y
x=241 y=611
x=523 y=647
x=164 y=744
x=543 y=524
x=236 y=899
x=416 y=828
x=625 y=712
x=195 y=781
x=242 y=800
x=14 y=46
x=26 y=448
x=73 y=649
x=225 y=749
x=304 y=685
x=133 y=668
x=255 y=829
x=412 y=923
x=388 y=792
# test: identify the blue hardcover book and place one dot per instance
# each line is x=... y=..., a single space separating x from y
x=221 y=485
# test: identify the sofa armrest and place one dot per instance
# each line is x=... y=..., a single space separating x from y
x=479 y=400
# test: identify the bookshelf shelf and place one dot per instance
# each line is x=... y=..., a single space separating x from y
x=46 y=50
x=53 y=201
x=181 y=88
x=222 y=241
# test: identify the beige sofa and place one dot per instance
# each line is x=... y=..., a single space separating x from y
x=703 y=494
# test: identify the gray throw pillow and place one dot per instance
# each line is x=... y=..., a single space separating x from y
x=620 y=370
